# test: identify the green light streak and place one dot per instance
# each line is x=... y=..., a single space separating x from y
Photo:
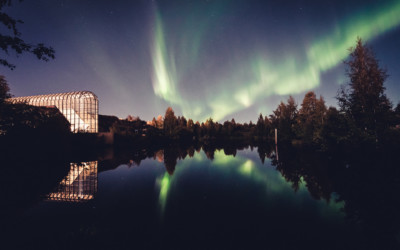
x=271 y=179
x=246 y=168
x=266 y=80
x=293 y=77
x=164 y=76
x=246 y=81
x=191 y=42
x=332 y=50
x=223 y=160
x=165 y=184
x=228 y=166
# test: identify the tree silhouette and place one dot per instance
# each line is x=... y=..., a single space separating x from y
x=170 y=121
x=364 y=100
x=190 y=124
x=397 y=114
x=170 y=159
x=336 y=128
x=154 y=122
x=12 y=41
x=284 y=119
x=228 y=128
x=4 y=109
x=311 y=117
x=261 y=125
x=210 y=127
x=4 y=89
x=160 y=122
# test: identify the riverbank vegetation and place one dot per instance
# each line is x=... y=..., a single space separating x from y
x=365 y=116
x=346 y=154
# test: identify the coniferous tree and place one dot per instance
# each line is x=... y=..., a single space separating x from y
x=170 y=121
x=154 y=122
x=364 y=100
x=261 y=125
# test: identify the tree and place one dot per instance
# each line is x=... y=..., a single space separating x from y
x=153 y=122
x=182 y=122
x=363 y=100
x=4 y=89
x=336 y=128
x=160 y=122
x=20 y=118
x=261 y=125
x=228 y=128
x=4 y=109
x=12 y=41
x=397 y=114
x=210 y=127
x=132 y=118
x=170 y=121
x=311 y=117
x=190 y=124
x=170 y=159
x=284 y=119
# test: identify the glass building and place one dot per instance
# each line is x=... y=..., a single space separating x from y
x=79 y=185
x=80 y=108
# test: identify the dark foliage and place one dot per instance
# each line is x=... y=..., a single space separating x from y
x=284 y=118
x=4 y=90
x=363 y=100
x=363 y=179
x=11 y=41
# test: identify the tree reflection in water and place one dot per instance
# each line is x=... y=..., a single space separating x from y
x=365 y=180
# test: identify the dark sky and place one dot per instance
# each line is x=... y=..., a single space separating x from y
x=205 y=58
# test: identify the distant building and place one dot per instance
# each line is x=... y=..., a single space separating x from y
x=80 y=108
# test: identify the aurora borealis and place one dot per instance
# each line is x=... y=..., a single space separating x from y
x=219 y=59
x=244 y=167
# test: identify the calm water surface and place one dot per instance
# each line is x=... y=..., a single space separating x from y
x=230 y=202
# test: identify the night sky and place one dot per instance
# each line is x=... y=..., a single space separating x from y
x=212 y=58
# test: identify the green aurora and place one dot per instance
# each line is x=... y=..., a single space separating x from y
x=250 y=78
x=229 y=166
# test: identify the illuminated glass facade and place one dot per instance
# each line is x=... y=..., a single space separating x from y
x=79 y=185
x=80 y=108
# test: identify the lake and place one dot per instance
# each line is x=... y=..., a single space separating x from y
x=196 y=199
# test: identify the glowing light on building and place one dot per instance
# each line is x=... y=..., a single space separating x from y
x=79 y=185
x=81 y=109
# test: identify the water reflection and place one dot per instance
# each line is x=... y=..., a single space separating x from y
x=79 y=185
x=226 y=193
x=164 y=183
x=342 y=181
x=173 y=153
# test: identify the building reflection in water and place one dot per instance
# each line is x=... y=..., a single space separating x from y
x=79 y=185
